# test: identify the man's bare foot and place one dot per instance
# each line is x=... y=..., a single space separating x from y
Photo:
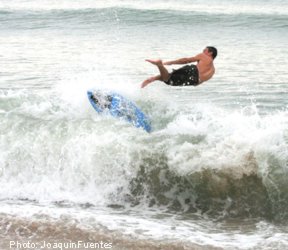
x=156 y=62
x=147 y=81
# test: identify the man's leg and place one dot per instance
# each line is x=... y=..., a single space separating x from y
x=164 y=74
x=149 y=80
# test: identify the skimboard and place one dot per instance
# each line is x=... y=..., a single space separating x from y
x=119 y=107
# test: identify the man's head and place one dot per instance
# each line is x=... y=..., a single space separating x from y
x=211 y=51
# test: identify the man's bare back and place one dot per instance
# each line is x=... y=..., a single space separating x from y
x=205 y=67
x=187 y=75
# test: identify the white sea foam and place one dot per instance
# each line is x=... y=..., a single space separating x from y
x=77 y=150
x=135 y=224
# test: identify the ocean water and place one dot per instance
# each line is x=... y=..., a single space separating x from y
x=213 y=172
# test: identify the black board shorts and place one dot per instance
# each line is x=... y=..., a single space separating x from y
x=185 y=76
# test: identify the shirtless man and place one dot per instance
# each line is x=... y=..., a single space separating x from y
x=189 y=75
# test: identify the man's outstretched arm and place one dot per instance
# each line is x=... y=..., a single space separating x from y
x=184 y=60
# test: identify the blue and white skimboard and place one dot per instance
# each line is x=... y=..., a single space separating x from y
x=119 y=107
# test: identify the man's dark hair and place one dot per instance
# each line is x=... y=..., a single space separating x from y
x=213 y=51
